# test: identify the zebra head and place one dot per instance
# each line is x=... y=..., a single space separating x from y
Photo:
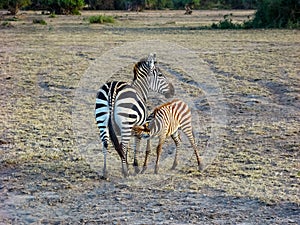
x=146 y=71
x=157 y=80
x=159 y=83
x=142 y=131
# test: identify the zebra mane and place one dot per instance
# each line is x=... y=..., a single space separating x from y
x=139 y=64
x=135 y=68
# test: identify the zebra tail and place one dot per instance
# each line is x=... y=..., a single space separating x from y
x=112 y=134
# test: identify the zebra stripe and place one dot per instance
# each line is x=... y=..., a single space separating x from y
x=165 y=121
x=120 y=106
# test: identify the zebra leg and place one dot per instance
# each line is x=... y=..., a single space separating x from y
x=137 y=141
x=104 y=139
x=176 y=138
x=158 y=153
x=104 y=150
x=200 y=165
x=188 y=131
x=192 y=141
x=126 y=135
x=148 y=150
x=122 y=151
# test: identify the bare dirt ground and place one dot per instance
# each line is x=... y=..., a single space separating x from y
x=45 y=179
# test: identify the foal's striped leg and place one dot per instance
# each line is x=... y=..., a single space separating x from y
x=176 y=139
x=148 y=151
x=162 y=139
x=189 y=133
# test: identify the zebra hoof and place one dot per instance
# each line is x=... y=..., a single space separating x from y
x=137 y=170
x=103 y=177
x=144 y=169
x=126 y=174
x=201 y=167
x=174 y=166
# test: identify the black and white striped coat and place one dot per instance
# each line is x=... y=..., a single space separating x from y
x=164 y=122
x=120 y=106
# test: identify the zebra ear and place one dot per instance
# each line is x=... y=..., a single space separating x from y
x=152 y=59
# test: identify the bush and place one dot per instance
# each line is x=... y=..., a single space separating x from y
x=14 y=6
x=52 y=15
x=6 y=24
x=12 y=19
x=62 y=6
x=226 y=24
x=101 y=19
x=39 y=21
x=269 y=14
x=277 y=14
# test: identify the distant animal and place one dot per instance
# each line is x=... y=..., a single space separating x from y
x=188 y=10
x=165 y=121
x=121 y=105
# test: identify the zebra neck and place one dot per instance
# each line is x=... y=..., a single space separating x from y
x=142 y=86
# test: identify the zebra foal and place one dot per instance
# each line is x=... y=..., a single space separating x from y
x=165 y=121
x=121 y=105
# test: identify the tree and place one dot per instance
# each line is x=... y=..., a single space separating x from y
x=14 y=6
x=277 y=14
x=158 y=4
x=63 y=6
x=240 y=4
x=102 y=4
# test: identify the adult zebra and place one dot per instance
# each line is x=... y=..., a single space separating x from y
x=120 y=106
x=165 y=121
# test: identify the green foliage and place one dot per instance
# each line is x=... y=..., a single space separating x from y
x=12 y=19
x=173 y=4
x=39 y=21
x=6 y=24
x=62 y=6
x=277 y=14
x=240 y=4
x=102 y=4
x=101 y=19
x=66 y=6
x=158 y=4
x=14 y=6
x=52 y=15
x=270 y=14
x=226 y=24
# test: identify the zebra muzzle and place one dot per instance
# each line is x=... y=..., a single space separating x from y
x=171 y=91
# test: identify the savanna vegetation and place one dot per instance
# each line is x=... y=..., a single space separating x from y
x=269 y=13
x=48 y=175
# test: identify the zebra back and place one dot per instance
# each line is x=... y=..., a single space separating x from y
x=168 y=118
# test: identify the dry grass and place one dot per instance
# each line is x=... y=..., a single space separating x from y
x=44 y=178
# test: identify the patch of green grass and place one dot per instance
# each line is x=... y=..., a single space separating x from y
x=52 y=15
x=12 y=19
x=226 y=24
x=6 y=24
x=39 y=21
x=101 y=19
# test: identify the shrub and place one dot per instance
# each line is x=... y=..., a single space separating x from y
x=226 y=24
x=63 y=6
x=14 y=6
x=269 y=14
x=52 y=15
x=12 y=19
x=39 y=21
x=101 y=19
x=6 y=24
x=277 y=14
